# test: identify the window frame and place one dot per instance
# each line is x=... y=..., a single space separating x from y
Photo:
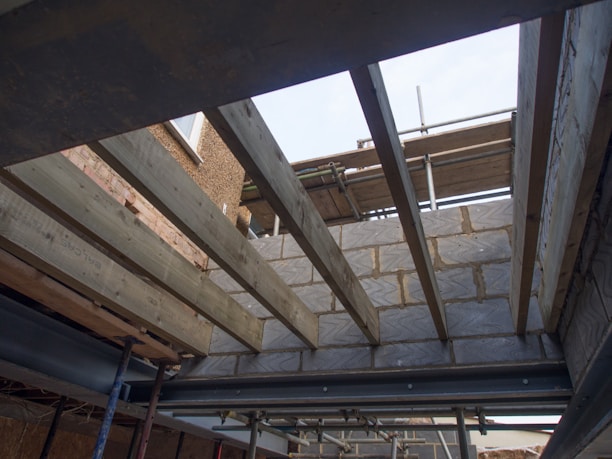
x=190 y=144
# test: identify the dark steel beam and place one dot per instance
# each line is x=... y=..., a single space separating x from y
x=589 y=412
x=524 y=385
x=72 y=72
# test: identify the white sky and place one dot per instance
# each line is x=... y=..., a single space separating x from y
x=463 y=78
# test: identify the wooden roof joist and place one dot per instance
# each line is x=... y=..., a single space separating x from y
x=244 y=131
x=31 y=235
x=374 y=101
x=539 y=54
x=27 y=280
x=61 y=186
x=147 y=166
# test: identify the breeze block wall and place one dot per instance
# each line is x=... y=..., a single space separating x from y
x=470 y=248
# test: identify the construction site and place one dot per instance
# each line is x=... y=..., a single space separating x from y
x=171 y=286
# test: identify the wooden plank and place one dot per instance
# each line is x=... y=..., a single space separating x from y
x=244 y=131
x=539 y=53
x=27 y=280
x=246 y=48
x=417 y=147
x=584 y=143
x=39 y=240
x=57 y=183
x=372 y=95
x=147 y=166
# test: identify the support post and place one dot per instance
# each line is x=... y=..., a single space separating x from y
x=394 y=447
x=146 y=431
x=218 y=449
x=112 y=399
x=433 y=205
x=462 y=434
x=253 y=440
x=421 y=111
x=134 y=441
x=179 y=446
x=53 y=428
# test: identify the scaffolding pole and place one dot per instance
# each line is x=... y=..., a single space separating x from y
x=113 y=398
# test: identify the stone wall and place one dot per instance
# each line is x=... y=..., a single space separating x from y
x=470 y=248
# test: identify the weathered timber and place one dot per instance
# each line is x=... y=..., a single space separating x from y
x=25 y=279
x=244 y=131
x=374 y=101
x=57 y=183
x=143 y=162
x=583 y=149
x=539 y=53
x=39 y=240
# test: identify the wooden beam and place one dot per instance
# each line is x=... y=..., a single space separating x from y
x=539 y=53
x=36 y=285
x=372 y=95
x=148 y=167
x=583 y=147
x=244 y=131
x=52 y=52
x=57 y=183
x=39 y=240
x=455 y=139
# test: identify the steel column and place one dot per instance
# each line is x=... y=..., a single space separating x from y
x=53 y=428
x=179 y=446
x=462 y=433
x=134 y=441
x=112 y=399
x=146 y=431
x=253 y=440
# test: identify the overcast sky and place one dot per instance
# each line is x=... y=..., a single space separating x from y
x=462 y=78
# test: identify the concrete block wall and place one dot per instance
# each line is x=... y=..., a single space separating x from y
x=470 y=248
x=587 y=318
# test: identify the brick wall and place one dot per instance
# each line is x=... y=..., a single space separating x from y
x=470 y=247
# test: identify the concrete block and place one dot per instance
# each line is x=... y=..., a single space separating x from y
x=408 y=355
x=221 y=342
x=473 y=319
x=278 y=337
x=291 y=248
x=424 y=452
x=396 y=257
x=339 y=330
x=361 y=261
x=252 y=305
x=223 y=280
x=475 y=247
x=497 y=349
x=406 y=324
x=590 y=318
x=495 y=214
x=276 y=362
x=454 y=284
x=268 y=247
x=318 y=297
x=602 y=270
x=354 y=358
x=442 y=222
x=552 y=347
x=209 y=367
x=371 y=233
x=383 y=291
x=575 y=355
x=294 y=271
x=455 y=452
x=496 y=278
x=534 y=315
